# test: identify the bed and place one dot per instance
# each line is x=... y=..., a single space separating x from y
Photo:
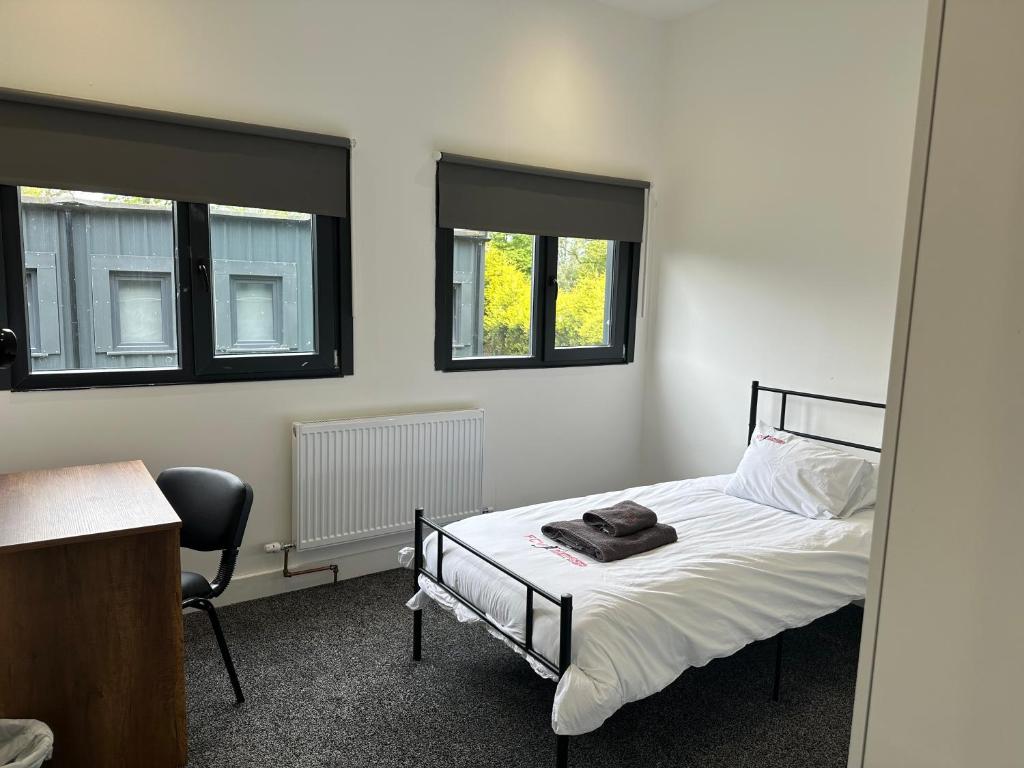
x=612 y=633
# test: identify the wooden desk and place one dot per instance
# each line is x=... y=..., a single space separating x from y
x=90 y=614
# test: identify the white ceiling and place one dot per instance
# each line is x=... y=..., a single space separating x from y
x=660 y=9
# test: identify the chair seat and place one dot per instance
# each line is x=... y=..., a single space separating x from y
x=194 y=585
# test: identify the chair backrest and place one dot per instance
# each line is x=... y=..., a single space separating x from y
x=213 y=506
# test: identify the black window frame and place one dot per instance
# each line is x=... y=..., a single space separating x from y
x=192 y=282
x=544 y=353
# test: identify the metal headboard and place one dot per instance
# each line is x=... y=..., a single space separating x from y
x=756 y=389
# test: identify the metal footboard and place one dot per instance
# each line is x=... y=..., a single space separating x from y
x=564 y=604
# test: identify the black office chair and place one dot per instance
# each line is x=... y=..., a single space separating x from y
x=214 y=508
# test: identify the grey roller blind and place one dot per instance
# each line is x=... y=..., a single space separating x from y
x=502 y=197
x=47 y=141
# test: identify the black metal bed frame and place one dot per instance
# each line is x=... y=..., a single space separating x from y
x=564 y=603
x=756 y=388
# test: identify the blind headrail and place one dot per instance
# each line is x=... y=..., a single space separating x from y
x=173 y=118
x=91 y=146
x=499 y=165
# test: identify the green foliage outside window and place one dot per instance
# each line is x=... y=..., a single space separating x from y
x=508 y=277
x=582 y=284
x=508 y=270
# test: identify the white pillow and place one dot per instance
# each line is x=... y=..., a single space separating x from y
x=799 y=475
x=865 y=496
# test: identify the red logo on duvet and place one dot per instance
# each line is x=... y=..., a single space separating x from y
x=771 y=439
x=539 y=543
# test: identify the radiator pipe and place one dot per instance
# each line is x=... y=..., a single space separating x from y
x=286 y=548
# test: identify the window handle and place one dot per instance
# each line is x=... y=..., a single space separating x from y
x=204 y=273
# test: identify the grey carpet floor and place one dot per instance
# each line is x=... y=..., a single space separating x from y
x=329 y=684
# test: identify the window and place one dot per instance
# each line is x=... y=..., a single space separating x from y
x=142 y=247
x=495 y=300
x=142 y=313
x=510 y=299
x=102 y=278
x=256 y=323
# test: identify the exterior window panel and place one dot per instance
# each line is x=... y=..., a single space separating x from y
x=142 y=312
x=42 y=306
x=256 y=321
x=32 y=310
x=458 y=307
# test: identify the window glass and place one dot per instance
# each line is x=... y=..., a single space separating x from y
x=140 y=311
x=257 y=320
x=583 y=308
x=81 y=315
x=263 y=281
x=493 y=305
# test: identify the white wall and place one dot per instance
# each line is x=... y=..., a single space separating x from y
x=944 y=673
x=569 y=84
x=787 y=158
x=786 y=129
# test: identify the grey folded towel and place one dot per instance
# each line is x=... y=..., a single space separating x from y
x=584 y=538
x=621 y=519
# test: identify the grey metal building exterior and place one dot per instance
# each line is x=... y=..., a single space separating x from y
x=100 y=293
x=468 y=293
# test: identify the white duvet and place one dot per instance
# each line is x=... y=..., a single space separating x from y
x=740 y=572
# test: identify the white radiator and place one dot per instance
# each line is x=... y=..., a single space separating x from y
x=360 y=478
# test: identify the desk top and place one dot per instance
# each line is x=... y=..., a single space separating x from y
x=51 y=507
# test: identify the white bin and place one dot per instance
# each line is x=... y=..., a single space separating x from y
x=24 y=743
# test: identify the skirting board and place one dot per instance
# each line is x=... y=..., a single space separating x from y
x=354 y=559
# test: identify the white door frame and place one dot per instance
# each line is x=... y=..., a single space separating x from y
x=897 y=372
